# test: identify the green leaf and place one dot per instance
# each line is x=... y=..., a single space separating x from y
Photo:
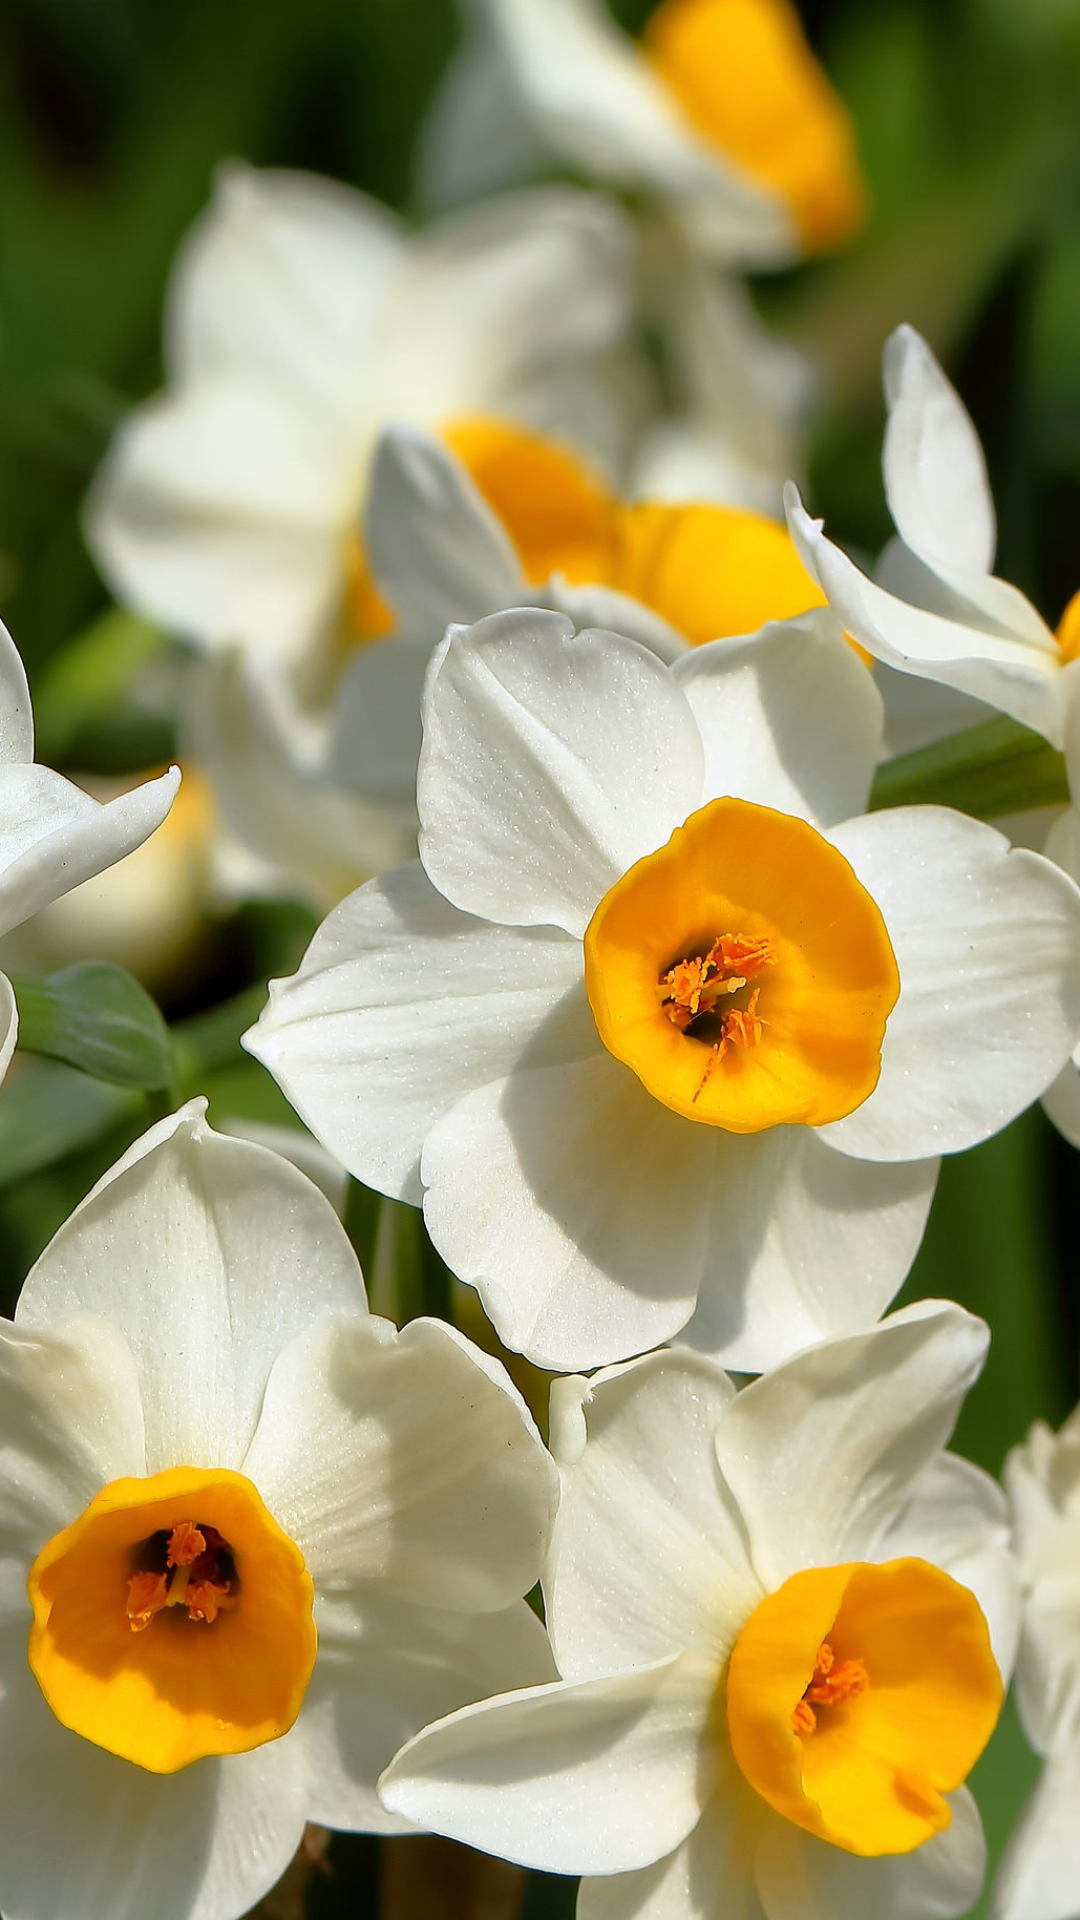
x=997 y=768
x=98 y=1018
x=49 y=1110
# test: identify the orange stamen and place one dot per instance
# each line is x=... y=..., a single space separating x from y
x=186 y=1543
x=742 y=1027
x=147 y=1594
x=205 y=1599
x=831 y=1682
x=693 y=987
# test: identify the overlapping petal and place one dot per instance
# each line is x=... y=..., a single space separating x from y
x=404 y=1459
x=595 y=1777
x=789 y=718
x=982 y=1025
x=648 y=1557
x=821 y=1452
x=593 y=1221
x=551 y=762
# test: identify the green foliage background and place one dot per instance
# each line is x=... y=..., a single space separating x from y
x=113 y=114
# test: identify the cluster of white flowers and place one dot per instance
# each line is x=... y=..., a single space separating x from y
x=663 y=1025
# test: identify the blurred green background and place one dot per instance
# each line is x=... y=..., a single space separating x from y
x=113 y=114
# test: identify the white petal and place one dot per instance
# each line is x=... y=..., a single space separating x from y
x=70 y=1421
x=551 y=762
x=935 y=471
x=957 y=1517
x=401 y=1003
x=9 y=1023
x=1040 y=1874
x=53 y=836
x=595 y=100
x=790 y=718
x=500 y=307
x=822 y=1453
x=208 y=1255
x=596 y=1777
x=647 y=1558
x=920 y=711
x=280 y=278
x=16 y=713
x=573 y=1202
x=593 y=1220
x=805 y=1243
x=201 y=1844
x=1006 y=656
x=385 y=1670
x=436 y=549
x=475 y=136
x=595 y=606
x=1062 y=1103
x=987 y=940
x=375 y=723
x=223 y=510
x=276 y=787
x=802 y=1878
x=710 y=1877
x=407 y=1460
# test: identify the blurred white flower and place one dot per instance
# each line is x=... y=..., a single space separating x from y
x=52 y=835
x=663 y=1034
x=719 y=111
x=934 y=608
x=264 y=1536
x=302 y=318
x=492 y=516
x=1040 y=1875
x=776 y=1615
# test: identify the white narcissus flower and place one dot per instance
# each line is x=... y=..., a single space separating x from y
x=301 y=319
x=1040 y=1876
x=664 y=1035
x=720 y=111
x=253 y=1538
x=935 y=609
x=782 y=1619
x=52 y=835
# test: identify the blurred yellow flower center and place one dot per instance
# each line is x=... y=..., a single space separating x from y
x=857 y=1696
x=173 y=1620
x=710 y=571
x=1068 y=633
x=743 y=972
x=744 y=75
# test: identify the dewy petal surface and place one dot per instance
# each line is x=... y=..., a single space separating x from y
x=551 y=762
x=207 y=1254
x=987 y=939
x=53 y=836
x=407 y=1460
x=790 y=718
x=822 y=1452
x=401 y=1004
x=595 y=1777
x=647 y=1557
